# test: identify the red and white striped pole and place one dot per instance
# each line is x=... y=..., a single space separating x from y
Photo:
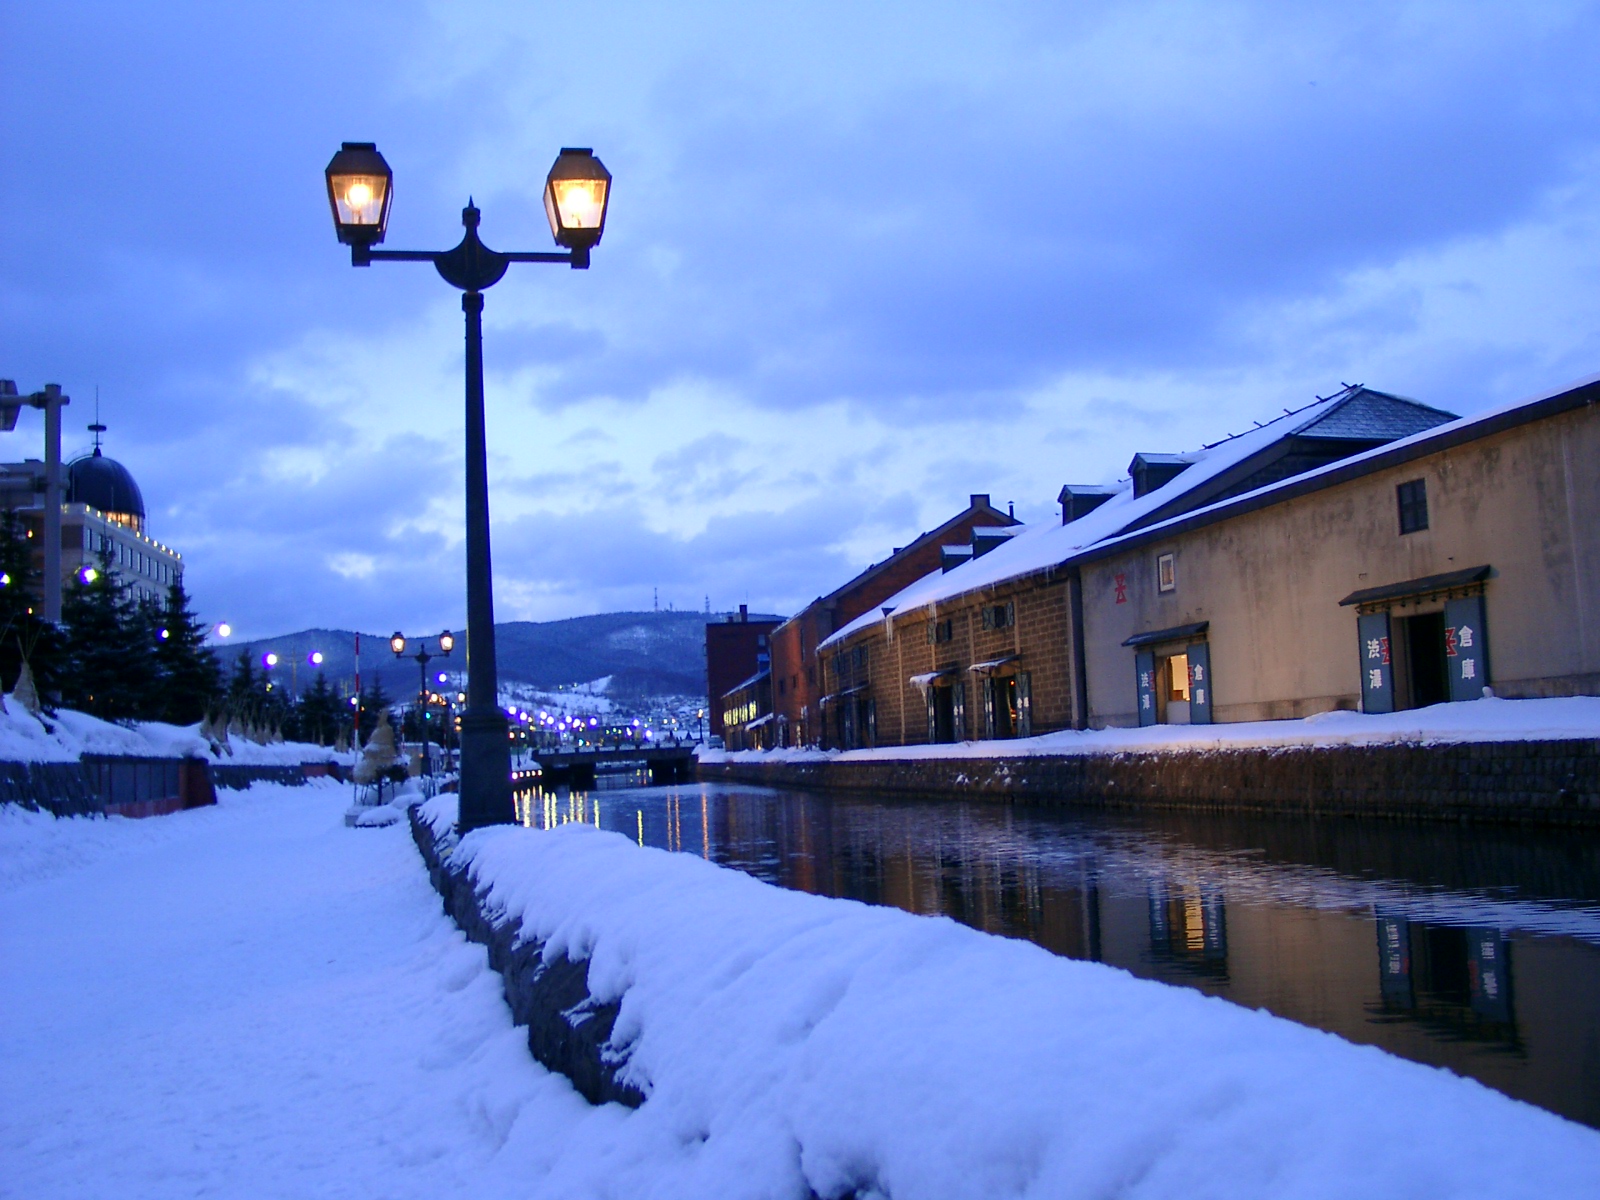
x=358 y=692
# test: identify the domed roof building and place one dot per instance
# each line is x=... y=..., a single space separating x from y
x=106 y=484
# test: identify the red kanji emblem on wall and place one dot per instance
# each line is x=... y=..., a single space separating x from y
x=1121 y=582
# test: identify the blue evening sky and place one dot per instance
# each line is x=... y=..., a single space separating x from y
x=862 y=260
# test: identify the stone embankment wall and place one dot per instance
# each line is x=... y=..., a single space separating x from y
x=1552 y=782
x=567 y=1031
x=122 y=785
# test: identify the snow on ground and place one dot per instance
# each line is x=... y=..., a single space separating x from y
x=65 y=736
x=254 y=1000
x=1487 y=720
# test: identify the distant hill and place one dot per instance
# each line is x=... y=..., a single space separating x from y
x=646 y=653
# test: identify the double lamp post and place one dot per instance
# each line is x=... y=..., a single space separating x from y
x=447 y=643
x=576 y=193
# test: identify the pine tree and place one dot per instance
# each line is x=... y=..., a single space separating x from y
x=244 y=687
x=319 y=714
x=23 y=632
x=192 y=682
x=375 y=704
x=149 y=620
x=110 y=668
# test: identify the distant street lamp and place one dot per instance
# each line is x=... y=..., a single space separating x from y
x=577 y=193
x=447 y=643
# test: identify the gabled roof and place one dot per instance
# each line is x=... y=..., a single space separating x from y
x=980 y=504
x=1119 y=523
x=1583 y=394
x=1364 y=415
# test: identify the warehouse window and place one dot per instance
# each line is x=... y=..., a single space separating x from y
x=1166 y=573
x=1413 y=501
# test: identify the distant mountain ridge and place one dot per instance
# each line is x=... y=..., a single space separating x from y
x=645 y=653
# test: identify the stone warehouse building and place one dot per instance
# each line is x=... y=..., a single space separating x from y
x=795 y=684
x=1364 y=552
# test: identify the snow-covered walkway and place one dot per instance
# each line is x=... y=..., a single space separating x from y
x=253 y=1000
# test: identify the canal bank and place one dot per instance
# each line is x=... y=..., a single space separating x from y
x=813 y=1045
x=1535 y=762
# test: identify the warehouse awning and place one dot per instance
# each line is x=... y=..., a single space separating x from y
x=993 y=665
x=1176 y=633
x=1449 y=581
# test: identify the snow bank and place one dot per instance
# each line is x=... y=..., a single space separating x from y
x=1487 y=720
x=67 y=735
x=787 y=1041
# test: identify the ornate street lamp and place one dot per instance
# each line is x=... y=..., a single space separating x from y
x=360 y=186
x=577 y=194
x=447 y=643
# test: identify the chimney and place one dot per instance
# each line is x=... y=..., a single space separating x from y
x=1081 y=499
x=979 y=500
x=744 y=613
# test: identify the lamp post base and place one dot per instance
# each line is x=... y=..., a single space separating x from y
x=485 y=771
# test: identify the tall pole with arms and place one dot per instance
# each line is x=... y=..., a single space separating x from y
x=576 y=194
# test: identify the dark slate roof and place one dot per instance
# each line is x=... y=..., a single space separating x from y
x=103 y=483
x=1369 y=416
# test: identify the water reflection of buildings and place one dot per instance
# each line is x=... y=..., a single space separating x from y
x=1453 y=980
x=1286 y=925
x=1189 y=928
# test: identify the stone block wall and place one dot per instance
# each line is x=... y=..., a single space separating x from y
x=1550 y=782
x=568 y=1031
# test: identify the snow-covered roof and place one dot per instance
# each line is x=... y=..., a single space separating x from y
x=1428 y=441
x=763 y=673
x=1044 y=545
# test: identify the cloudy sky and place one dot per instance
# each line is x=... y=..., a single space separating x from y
x=862 y=260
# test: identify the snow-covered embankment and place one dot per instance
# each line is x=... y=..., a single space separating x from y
x=786 y=1042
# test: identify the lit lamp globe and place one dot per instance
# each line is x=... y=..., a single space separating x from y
x=360 y=186
x=576 y=194
x=447 y=643
x=397 y=643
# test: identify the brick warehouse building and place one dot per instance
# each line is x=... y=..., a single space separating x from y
x=736 y=649
x=795 y=689
x=1240 y=581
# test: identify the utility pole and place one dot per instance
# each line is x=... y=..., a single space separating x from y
x=50 y=398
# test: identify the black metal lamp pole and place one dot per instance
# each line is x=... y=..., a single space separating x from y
x=576 y=195
x=447 y=643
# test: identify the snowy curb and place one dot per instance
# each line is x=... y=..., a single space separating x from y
x=568 y=1031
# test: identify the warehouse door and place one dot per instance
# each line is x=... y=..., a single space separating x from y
x=1425 y=654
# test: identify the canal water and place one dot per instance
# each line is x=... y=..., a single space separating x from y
x=1475 y=948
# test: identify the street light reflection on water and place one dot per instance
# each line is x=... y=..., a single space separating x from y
x=1472 y=948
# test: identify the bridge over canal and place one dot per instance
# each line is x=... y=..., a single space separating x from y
x=670 y=763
